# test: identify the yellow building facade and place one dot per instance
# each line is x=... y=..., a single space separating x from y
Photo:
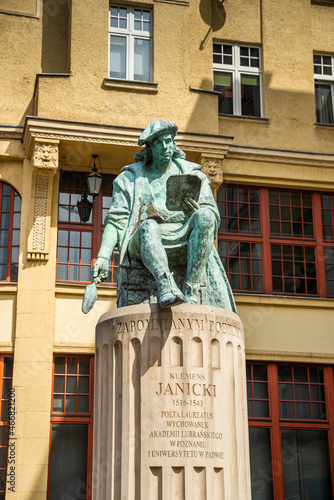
x=251 y=87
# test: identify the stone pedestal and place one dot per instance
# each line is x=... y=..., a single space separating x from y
x=170 y=417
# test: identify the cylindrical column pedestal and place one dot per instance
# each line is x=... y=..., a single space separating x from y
x=170 y=415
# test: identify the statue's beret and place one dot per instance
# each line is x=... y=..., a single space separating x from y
x=156 y=128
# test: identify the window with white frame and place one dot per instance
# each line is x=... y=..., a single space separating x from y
x=324 y=87
x=130 y=43
x=237 y=76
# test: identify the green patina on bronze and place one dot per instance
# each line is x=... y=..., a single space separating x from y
x=164 y=220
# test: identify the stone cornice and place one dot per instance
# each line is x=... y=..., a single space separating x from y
x=55 y=130
x=11 y=132
x=304 y=158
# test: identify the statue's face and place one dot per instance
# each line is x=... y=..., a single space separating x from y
x=162 y=148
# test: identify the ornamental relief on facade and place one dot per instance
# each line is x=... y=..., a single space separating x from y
x=46 y=156
x=213 y=169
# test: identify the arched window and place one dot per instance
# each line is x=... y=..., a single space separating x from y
x=10 y=217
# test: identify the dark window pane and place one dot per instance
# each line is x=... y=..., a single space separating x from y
x=286 y=410
x=59 y=364
x=223 y=84
x=83 y=385
x=3 y=458
x=68 y=461
x=83 y=404
x=316 y=374
x=250 y=95
x=260 y=463
x=317 y=392
x=3 y=436
x=4 y=411
x=306 y=465
x=58 y=404
x=260 y=372
x=72 y=365
x=8 y=367
x=300 y=373
x=323 y=103
x=6 y=386
x=250 y=409
x=301 y=392
x=285 y=391
x=319 y=411
x=84 y=366
x=277 y=285
x=285 y=373
x=71 y=384
x=261 y=409
x=303 y=410
x=70 y=404
x=260 y=390
x=59 y=384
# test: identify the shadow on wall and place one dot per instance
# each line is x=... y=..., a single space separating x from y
x=214 y=15
x=56 y=36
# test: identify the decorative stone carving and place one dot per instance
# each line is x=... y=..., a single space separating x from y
x=45 y=161
x=46 y=156
x=213 y=169
x=41 y=198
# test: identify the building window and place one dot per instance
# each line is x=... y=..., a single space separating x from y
x=70 y=461
x=79 y=241
x=291 y=423
x=10 y=218
x=6 y=376
x=324 y=87
x=237 y=76
x=272 y=241
x=130 y=43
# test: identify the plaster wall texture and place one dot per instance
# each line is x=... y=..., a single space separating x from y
x=279 y=329
x=7 y=307
x=72 y=326
x=170 y=405
x=20 y=38
x=19 y=6
x=178 y=63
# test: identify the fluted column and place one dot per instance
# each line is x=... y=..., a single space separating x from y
x=170 y=417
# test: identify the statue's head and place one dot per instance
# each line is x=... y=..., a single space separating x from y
x=152 y=134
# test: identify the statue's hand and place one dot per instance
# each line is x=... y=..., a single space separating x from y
x=190 y=206
x=100 y=270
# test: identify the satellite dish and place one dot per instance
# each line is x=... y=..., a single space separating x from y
x=213 y=13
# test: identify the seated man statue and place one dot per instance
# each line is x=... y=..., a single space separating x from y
x=146 y=231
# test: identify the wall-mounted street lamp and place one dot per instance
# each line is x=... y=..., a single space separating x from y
x=94 y=179
x=84 y=208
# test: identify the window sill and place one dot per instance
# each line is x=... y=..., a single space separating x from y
x=326 y=3
x=131 y=85
x=283 y=300
x=205 y=91
x=175 y=2
x=324 y=125
x=244 y=118
x=6 y=287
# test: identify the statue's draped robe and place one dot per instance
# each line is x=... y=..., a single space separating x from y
x=128 y=210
